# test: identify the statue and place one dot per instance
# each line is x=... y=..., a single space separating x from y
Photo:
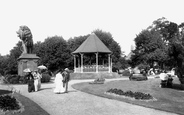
x=24 y=33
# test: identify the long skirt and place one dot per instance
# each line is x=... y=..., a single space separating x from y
x=36 y=84
x=39 y=84
x=59 y=85
x=31 y=87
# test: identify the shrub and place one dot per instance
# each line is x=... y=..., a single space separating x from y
x=8 y=103
x=138 y=77
x=23 y=80
x=98 y=81
x=45 y=78
x=12 y=79
x=135 y=95
x=126 y=73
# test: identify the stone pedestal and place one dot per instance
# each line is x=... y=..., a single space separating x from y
x=27 y=61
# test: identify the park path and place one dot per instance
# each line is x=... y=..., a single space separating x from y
x=79 y=103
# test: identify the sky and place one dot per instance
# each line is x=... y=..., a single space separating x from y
x=124 y=19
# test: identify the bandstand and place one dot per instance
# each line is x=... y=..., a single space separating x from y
x=92 y=47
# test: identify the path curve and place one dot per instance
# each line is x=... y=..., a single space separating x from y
x=79 y=103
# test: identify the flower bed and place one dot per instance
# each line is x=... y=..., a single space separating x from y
x=135 y=95
x=98 y=81
x=8 y=102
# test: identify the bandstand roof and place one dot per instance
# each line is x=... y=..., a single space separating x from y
x=91 y=45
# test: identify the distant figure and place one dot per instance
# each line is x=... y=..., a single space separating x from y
x=24 y=33
x=66 y=79
x=30 y=79
x=59 y=83
x=39 y=79
x=164 y=78
x=35 y=74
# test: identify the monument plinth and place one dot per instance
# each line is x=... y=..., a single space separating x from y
x=27 y=61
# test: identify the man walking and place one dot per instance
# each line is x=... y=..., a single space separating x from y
x=66 y=79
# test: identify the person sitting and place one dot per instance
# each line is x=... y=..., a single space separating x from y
x=164 y=78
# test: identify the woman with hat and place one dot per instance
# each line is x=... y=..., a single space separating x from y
x=30 y=80
x=66 y=79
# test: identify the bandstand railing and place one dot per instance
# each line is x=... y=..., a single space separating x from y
x=92 y=68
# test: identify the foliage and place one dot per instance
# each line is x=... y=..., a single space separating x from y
x=45 y=78
x=122 y=63
x=8 y=103
x=162 y=42
x=56 y=53
x=143 y=66
x=23 y=80
x=53 y=53
x=173 y=35
x=126 y=73
x=10 y=61
x=12 y=79
x=3 y=64
x=150 y=48
x=138 y=77
x=135 y=95
x=107 y=39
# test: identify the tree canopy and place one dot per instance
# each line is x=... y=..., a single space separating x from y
x=56 y=53
x=162 y=42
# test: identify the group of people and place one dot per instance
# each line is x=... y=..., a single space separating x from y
x=34 y=80
x=61 y=81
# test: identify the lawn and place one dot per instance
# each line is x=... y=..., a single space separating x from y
x=30 y=107
x=167 y=99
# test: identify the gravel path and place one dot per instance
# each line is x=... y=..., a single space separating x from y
x=79 y=103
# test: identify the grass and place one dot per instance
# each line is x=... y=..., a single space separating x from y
x=30 y=107
x=167 y=99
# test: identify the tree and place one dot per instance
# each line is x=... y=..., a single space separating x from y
x=172 y=35
x=150 y=48
x=53 y=53
x=113 y=46
x=3 y=64
x=11 y=67
x=106 y=38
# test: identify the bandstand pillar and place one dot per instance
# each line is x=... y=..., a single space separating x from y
x=97 y=62
x=82 y=63
x=74 y=63
x=109 y=60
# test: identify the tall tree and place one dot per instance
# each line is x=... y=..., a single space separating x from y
x=150 y=48
x=107 y=39
x=53 y=53
x=12 y=65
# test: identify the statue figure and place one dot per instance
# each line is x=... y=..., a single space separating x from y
x=24 y=33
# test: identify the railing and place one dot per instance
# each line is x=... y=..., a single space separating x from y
x=89 y=68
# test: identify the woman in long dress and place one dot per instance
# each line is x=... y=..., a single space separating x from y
x=39 y=79
x=59 y=84
x=30 y=79
x=36 y=78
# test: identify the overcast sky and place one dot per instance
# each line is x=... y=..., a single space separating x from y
x=124 y=19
